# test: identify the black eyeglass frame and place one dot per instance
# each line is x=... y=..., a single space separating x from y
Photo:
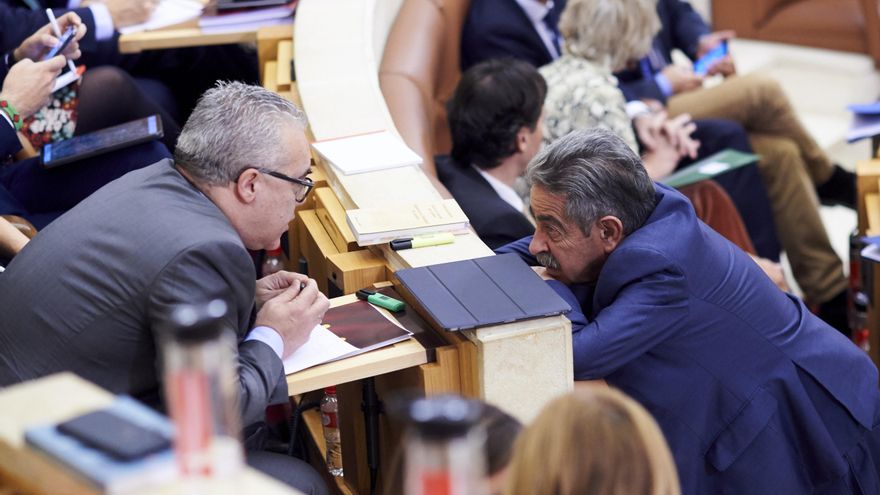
x=309 y=184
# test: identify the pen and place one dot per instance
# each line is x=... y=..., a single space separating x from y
x=422 y=241
x=57 y=30
x=380 y=300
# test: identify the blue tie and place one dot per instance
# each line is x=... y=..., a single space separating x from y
x=551 y=20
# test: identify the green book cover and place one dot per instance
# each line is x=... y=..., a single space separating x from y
x=719 y=163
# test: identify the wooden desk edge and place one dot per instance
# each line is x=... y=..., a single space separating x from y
x=396 y=357
x=188 y=37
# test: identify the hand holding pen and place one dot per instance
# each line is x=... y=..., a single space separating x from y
x=36 y=46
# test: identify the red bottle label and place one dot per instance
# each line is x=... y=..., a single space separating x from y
x=328 y=419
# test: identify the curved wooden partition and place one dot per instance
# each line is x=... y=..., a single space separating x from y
x=337 y=50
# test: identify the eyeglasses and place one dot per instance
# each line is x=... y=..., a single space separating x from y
x=306 y=183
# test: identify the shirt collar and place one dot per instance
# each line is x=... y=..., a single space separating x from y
x=534 y=9
x=505 y=192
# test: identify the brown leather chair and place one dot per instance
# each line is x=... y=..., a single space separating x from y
x=419 y=72
x=847 y=25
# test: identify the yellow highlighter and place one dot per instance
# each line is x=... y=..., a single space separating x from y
x=422 y=241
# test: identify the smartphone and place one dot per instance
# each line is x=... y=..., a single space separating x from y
x=702 y=66
x=115 y=435
x=65 y=40
x=103 y=141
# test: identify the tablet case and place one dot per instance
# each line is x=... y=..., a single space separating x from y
x=481 y=292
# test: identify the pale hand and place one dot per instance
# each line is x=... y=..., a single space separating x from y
x=28 y=85
x=273 y=285
x=38 y=44
x=707 y=42
x=293 y=314
x=127 y=12
x=682 y=79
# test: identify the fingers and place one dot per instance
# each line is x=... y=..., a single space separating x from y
x=54 y=64
x=725 y=34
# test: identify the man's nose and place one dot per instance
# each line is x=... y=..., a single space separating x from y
x=537 y=244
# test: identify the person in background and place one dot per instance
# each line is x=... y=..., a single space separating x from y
x=593 y=440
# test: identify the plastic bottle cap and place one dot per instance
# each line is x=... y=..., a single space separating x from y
x=274 y=252
x=197 y=322
x=330 y=390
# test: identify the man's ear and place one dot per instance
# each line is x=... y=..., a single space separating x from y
x=522 y=139
x=246 y=185
x=610 y=232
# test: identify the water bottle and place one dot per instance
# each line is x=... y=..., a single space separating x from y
x=273 y=262
x=444 y=452
x=329 y=420
x=201 y=391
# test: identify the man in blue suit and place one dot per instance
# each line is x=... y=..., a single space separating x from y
x=753 y=393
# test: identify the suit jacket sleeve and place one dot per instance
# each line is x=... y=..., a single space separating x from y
x=9 y=143
x=686 y=27
x=643 y=298
x=223 y=270
x=641 y=88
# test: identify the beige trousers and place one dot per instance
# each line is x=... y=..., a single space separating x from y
x=791 y=164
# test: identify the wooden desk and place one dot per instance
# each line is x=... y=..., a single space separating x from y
x=194 y=36
x=57 y=398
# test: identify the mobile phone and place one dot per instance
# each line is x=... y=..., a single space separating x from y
x=115 y=435
x=702 y=66
x=102 y=141
x=65 y=40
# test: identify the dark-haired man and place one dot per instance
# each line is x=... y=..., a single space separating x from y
x=495 y=120
x=753 y=392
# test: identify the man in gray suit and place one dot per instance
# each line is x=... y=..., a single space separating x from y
x=88 y=293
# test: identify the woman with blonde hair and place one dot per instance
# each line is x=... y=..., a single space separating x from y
x=593 y=441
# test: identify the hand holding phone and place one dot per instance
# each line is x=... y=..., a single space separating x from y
x=702 y=66
x=66 y=38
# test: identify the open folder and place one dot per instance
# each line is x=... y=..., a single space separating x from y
x=481 y=292
x=348 y=330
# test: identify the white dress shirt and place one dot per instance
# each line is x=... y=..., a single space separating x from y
x=536 y=11
x=507 y=193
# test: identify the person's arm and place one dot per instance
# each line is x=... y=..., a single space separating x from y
x=649 y=306
x=11 y=239
x=224 y=271
x=687 y=26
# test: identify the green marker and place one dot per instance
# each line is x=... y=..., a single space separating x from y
x=380 y=300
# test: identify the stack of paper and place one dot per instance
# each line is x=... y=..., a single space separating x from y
x=379 y=225
x=168 y=13
x=367 y=152
x=247 y=20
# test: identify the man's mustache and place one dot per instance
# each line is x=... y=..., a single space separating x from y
x=547 y=260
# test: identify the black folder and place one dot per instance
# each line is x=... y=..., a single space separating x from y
x=481 y=292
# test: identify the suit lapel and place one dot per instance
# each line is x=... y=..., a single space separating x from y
x=529 y=28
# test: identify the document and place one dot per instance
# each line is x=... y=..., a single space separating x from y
x=168 y=13
x=348 y=330
x=367 y=152
x=719 y=163
x=384 y=224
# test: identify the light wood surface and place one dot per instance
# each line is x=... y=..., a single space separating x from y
x=194 y=36
x=58 y=398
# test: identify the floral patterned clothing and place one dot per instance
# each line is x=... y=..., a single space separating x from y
x=583 y=95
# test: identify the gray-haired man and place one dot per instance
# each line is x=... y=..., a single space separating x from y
x=753 y=392
x=87 y=294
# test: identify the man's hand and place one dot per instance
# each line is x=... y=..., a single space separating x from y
x=707 y=42
x=682 y=79
x=542 y=272
x=275 y=284
x=293 y=314
x=28 y=85
x=127 y=12
x=773 y=270
x=38 y=44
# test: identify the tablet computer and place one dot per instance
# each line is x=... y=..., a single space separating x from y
x=103 y=141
